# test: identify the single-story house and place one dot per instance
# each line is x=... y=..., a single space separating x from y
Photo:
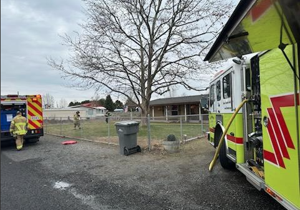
x=63 y=113
x=87 y=110
x=92 y=109
x=131 y=106
x=189 y=107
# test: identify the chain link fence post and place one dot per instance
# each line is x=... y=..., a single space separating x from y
x=45 y=125
x=149 y=132
x=60 y=127
x=181 y=129
x=201 y=116
x=81 y=127
x=108 y=130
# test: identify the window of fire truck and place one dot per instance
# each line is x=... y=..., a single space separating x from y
x=227 y=86
x=211 y=95
x=218 y=90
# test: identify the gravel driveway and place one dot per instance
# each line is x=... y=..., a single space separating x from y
x=103 y=179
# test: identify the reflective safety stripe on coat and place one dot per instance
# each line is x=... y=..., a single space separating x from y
x=18 y=125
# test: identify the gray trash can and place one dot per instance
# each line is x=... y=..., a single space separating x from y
x=127 y=132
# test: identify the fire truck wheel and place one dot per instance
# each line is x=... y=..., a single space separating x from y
x=224 y=160
x=34 y=140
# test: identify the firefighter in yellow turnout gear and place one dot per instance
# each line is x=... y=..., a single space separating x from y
x=18 y=128
x=77 y=120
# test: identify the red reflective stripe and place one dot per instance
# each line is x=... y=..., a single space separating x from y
x=258 y=10
x=31 y=114
x=39 y=121
x=36 y=102
x=13 y=99
x=230 y=138
x=284 y=101
x=33 y=124
x=35 y=109
x=275 y=145
x=278 y=134
x=237 y=140
x=270 y=157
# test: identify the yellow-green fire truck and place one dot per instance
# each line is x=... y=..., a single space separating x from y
x=254 y=104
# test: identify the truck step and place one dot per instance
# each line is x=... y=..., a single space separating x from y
x=251 y=176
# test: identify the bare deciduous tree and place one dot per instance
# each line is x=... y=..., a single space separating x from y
x=142 y=47
x=62 y=103
x=48 y=101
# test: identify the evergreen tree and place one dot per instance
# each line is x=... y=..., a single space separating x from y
x=74 y=103
x=119 y=104
x=102 y=102
x=109 y=104
x=85 y=102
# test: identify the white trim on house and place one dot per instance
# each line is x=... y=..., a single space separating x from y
x=68 y=113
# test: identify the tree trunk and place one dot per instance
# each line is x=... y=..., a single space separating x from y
x=145 y=111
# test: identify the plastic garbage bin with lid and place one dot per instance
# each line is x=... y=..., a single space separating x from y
x=127 y=132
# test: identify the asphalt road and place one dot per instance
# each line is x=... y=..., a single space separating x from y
x=89 y=175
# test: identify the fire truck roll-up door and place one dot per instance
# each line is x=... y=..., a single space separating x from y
x=8 y=112
x=272 y=26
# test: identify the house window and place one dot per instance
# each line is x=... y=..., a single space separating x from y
x=174 y=110
x=211 y=95
x=227 y=86
x=218 y=90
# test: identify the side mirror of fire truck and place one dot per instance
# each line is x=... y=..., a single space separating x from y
x=203 y=103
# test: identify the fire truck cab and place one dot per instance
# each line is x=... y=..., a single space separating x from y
x=226 y=91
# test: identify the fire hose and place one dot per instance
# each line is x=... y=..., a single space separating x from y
x=211 y=165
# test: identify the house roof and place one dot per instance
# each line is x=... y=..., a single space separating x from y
x=64 y=109
x=180 y=100
x=131 y=103
x=100 y=107
x=88 y=105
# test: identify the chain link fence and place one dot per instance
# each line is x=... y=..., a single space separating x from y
x=152 y=130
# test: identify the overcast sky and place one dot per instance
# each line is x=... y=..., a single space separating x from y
x=30 y=32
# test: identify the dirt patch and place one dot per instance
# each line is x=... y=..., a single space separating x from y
x=143 y=143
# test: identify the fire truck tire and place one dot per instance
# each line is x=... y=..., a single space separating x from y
x=34 y=140
x=224 y=160
x=218 y=135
